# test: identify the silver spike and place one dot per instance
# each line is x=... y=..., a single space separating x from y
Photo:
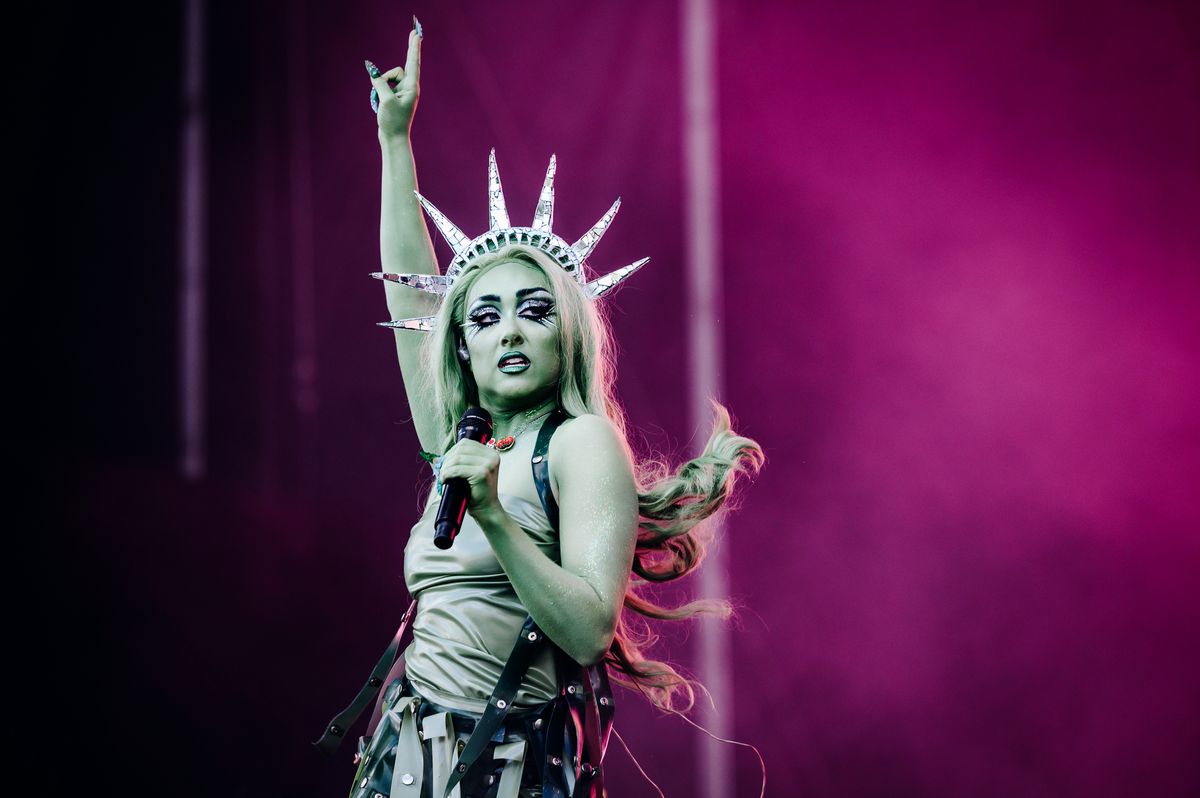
x=433 y=283
x=588 y=241
x=454 y=237
x=497 y=209
x=543 y=216
x=602 y=285
x=419 y=323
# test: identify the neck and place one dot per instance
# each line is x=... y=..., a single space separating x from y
x=508 y=420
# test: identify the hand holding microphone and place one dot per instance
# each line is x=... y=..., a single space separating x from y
x=476 y=425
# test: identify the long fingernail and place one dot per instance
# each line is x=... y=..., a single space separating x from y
x=417 y=25
x=372 y=69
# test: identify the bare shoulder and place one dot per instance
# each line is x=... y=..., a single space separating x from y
x=586 y=432
x=587 y=446
x=588 y=428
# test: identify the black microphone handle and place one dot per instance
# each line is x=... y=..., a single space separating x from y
x=450 y=512
x=476 y=424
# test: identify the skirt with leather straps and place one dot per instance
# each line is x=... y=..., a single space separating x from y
x=417 y=743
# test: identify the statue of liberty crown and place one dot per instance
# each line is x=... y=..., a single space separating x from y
x=500 y=234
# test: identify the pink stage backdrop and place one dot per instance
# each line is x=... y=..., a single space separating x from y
x=960 y=303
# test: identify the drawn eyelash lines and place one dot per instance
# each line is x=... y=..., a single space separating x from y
x=541 y=309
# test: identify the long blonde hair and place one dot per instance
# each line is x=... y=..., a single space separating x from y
x=671 y=539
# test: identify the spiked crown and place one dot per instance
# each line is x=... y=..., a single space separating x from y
x=500 y=234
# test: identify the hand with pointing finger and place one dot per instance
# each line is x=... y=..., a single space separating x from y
x=395 y=92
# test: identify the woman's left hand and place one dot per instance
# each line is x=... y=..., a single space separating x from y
x=480 y=466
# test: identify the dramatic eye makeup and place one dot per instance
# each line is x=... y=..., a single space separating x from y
x=538 y=307
x=482 y=316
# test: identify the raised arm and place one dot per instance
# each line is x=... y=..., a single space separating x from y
x=404 y=243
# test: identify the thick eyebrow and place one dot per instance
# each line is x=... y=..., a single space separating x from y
x=521 y=294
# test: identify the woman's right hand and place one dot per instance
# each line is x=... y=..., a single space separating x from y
x=397 y=105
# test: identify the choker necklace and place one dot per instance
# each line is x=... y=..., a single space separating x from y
x=506 y=443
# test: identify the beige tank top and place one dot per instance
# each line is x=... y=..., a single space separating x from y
x=468 y=614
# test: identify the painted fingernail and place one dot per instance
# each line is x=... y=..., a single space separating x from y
x=417 y=26
x=372 y=69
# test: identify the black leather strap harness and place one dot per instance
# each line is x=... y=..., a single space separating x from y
x=585 y=689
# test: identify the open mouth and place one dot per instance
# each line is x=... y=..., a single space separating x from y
x=513 y=363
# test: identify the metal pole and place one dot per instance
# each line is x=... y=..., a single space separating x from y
x=702 y=223
x=305 y=395
x=193 y=249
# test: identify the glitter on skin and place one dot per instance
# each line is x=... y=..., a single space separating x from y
x=577 y=603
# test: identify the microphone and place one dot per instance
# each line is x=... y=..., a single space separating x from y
x=475 y=425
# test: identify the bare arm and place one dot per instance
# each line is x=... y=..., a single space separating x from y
x=404 y=243
x=577 y=603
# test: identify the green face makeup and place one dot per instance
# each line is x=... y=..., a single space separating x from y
x=511 y=332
